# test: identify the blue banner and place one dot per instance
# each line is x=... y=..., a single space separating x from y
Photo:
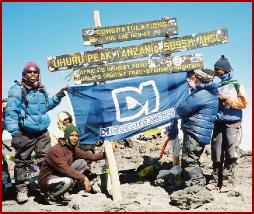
x=118 y=110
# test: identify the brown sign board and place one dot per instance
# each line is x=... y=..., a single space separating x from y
x=138 y=68
x=108 y=55
x=134 y=31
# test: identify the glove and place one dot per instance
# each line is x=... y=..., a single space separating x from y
x=99 y=143
x=87 y=185
x=16 y=140
x=61 y=92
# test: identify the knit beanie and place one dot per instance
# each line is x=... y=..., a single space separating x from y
x=69 y=129
x=223 y=64
x=24 y=74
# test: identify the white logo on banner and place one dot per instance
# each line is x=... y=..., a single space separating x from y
x=134 y=103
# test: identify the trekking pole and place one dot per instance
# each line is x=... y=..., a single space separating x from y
x=7 y=147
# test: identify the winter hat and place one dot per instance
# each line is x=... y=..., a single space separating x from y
x=24 y=74
x=69 y=129
x=223 y=64
x=204 y=75
x=61 y=116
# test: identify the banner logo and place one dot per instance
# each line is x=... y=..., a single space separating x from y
x=135 y=101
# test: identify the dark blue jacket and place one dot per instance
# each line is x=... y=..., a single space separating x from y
x=33 y=117
x=198 y=113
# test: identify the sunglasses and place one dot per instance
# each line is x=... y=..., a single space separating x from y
x=32 y=71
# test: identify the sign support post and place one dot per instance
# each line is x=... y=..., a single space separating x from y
x=110 y=158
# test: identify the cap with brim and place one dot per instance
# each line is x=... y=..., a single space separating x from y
x=204 y=75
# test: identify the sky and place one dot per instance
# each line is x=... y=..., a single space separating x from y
x=35 y=31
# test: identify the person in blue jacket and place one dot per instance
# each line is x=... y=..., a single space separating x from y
x=27 y=120
x=198 y=113
x=227 y=130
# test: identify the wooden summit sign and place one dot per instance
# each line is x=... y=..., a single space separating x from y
x=120 y=33
x=167 y=46
x=138 y=68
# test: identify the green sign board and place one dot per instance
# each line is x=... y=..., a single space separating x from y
x=138 y=68
x=155 y=48
x=134 y=31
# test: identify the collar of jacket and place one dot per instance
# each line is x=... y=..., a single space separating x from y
x=40 y=87
x=227 y=76
x=62 y=141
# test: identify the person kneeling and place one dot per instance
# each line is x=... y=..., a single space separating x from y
x=64 y=165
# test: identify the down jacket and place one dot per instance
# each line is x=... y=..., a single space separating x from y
x=31 y=118
x=198 y=113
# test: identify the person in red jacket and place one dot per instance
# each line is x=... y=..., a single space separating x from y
x=64 y=165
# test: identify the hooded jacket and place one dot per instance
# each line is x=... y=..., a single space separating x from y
x=28 y=113
x=31 y=117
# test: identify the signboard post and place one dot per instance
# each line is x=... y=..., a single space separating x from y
x=128 y=32
x=112 y=178
x=106 y=72
x=167 y=46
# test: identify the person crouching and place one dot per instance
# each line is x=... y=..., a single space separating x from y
x=64 y=165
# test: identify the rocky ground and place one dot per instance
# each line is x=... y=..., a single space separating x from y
x=141 y=194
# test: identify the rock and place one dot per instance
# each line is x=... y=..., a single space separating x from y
x=234 y=194
x=208 y=150
x=75 y=207
x=191 y=197
x=127 y=156
x=138 y=193
x=245 y=153
x=153 y=149
x=159 y=182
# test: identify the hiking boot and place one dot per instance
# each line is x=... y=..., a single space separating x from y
x=91 y=176
x=22 y=196
x=226 y=186
x=51 y=200
x=229 y=169
x=93 y=191
x=212 y=185
x=67 y=196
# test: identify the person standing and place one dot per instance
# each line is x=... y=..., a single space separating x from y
x=227 y=130
x=27 y=120
x=198 y=114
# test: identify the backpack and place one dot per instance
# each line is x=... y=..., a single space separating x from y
x=24 y=94
x=238 y=98
x=6 y=178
